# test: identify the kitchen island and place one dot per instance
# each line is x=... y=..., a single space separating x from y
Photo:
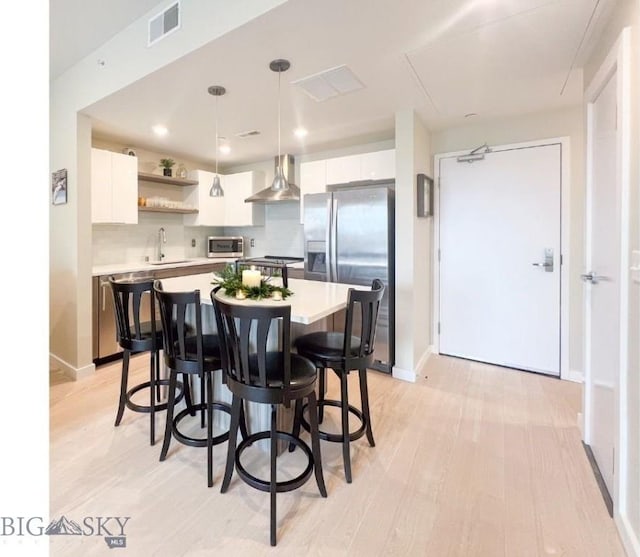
x=313 y=304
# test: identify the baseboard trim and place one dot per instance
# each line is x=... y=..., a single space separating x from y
x=606 y=496
x=409 y=375
x=575 y=376
x=69 y=370
x=629 y=537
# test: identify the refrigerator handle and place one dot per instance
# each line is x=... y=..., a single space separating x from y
x=334 y=241
x=328 y=255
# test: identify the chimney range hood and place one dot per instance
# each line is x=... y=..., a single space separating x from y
x=267 y=195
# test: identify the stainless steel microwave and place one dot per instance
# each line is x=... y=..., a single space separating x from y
x=225 y=246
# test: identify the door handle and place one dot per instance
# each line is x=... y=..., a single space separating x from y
x=593 y=278
x=547 y=264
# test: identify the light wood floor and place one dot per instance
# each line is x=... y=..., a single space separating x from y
x=472 y=460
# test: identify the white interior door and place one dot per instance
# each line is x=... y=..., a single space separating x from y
x=500 y=234
x=603 y=278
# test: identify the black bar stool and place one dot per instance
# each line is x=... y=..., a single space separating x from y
x=190 y=352
x=257 y=373
x=134 y=336
x=344 y=352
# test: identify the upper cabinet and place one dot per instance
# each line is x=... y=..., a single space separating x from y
x=379 y=165
x=114 y=187
x=230 y=210
x=313 y=179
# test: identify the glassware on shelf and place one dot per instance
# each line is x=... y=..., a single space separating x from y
x=182 y=171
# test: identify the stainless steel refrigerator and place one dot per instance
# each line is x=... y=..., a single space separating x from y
x=349 y=237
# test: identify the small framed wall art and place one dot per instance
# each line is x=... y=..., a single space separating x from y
x=59 y=187
x=425 y=196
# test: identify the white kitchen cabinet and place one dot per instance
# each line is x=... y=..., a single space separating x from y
x=341 y=170
x=210 y=209
x=114 y=187
x=313 y=179
x=237 y=187
x=379 y=165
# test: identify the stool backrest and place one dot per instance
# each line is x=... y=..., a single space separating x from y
x=127 y=302
x=367 y=303
x=179 y=312
x=243 y=331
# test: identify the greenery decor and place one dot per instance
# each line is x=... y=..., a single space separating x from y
x=166 y=165
x=232 y=284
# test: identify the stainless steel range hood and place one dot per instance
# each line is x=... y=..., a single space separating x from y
x=269 y=196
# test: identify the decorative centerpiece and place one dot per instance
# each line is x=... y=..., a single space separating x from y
x=249 y=284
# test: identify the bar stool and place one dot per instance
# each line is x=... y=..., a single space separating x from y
x=343 y=353
x=257 y=373
x=135 y=336
x=189 y=351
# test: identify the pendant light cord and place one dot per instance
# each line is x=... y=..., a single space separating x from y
x=279 y=150
x=216 y=146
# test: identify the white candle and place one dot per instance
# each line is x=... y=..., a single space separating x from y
x=240 y=295
x=277 y=295
x=251 y=278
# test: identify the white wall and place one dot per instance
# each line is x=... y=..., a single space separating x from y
x=126 y=59
x=558 y=123
x=627 y=13
x=413 y=249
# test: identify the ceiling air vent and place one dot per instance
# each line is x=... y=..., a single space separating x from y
x=329 y=83
x=250 y=133
x=164 y=23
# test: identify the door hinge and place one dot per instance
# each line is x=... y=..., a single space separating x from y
x=438 y=327
x=439 y=255
x=561 y=259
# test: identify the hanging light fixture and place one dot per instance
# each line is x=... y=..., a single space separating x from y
x=279 y=180
x=216 y=187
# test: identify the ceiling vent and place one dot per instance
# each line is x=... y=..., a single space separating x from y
x=329 y=83
x=250 y=133
x=164 y=23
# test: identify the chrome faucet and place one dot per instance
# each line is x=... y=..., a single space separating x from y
x=162 y=239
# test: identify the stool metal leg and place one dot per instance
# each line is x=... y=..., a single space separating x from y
x=171 y=400
x=244 y=431
x=272 y=483
x=123 y=386
x=236 y=409
x=297 y=419
x=364 y=397
x=322 y=377
x=187 y=393
x=344 y=405
x=153 y=365
x=208 y=379
x=315 y=441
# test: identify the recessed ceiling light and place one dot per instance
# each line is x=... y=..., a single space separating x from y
x=225 y=149
x=300 y=132
x=160 y=130
x=470 y=115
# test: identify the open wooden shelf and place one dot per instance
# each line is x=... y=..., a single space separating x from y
x=167 y=210
x=146 y=177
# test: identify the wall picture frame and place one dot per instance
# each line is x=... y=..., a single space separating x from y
x=59 y=187
x=425 y=195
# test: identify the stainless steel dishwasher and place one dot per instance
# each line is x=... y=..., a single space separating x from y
x=105 y=343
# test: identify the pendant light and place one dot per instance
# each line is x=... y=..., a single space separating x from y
x=216 y=188
x=279 y=181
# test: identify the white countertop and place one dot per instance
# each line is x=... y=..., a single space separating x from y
x=311 y=300
x=134 y=267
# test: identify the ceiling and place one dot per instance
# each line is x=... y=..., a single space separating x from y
x=442 y=58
